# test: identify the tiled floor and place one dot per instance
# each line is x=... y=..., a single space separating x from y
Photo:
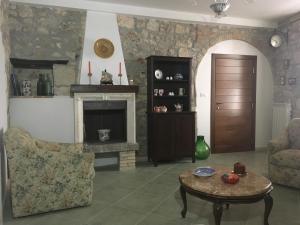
x=149 y=196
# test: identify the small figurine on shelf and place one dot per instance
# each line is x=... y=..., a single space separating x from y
x=106 y=78
x=90 y=74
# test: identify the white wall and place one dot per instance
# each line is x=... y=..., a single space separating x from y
x=3 y=114
x=3 y=88
x=264 y=90
x=50 y=119
x=102 y=25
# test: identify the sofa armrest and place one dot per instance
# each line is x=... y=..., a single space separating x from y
x=50 y=167
x=279 y=143
x=59 y=147
x=43 y=180
x=80 y=165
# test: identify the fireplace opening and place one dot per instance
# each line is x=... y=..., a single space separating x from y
x=105 y=115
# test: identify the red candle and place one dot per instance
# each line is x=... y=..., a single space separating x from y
x=89 y=66
x=120 y=68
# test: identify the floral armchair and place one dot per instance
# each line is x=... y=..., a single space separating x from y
x=284 y=156
x=47 y=176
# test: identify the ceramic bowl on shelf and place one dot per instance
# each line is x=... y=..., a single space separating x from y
x=104 y=134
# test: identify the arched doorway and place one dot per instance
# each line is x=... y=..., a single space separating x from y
x=264 y=90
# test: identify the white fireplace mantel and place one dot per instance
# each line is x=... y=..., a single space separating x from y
x=79 y=98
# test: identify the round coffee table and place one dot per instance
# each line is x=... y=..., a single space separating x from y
x=250 y=188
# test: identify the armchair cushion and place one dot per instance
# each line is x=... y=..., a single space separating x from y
x=287 y=158
x=294 y=133
x=46 y=176
x=284 y=156
x=281 y=142
x=57 y=147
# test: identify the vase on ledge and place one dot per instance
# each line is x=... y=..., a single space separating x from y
x=202 y=149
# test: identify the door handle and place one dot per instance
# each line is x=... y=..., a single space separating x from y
x=218 y=105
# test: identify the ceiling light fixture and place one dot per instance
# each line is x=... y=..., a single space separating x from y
x=220 y=7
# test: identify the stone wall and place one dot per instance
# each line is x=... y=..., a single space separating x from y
x=287 y=65
x=47 y=33
x=56 y=33
x=142 y=37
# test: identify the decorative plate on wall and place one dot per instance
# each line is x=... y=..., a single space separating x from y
x=104 y=48
x=158 y=74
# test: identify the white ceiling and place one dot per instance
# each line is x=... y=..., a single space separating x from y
x=255 y=13
x=269 y=10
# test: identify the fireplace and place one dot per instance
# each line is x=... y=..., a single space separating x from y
x=107 y=107
x=109 y=115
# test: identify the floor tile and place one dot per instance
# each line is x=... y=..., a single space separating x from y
x=140 y=202
x=115 y=215
x=150 y=195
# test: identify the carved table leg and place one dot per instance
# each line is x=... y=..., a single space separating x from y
x=268 y=207
x=183 y=196
x=218 y=210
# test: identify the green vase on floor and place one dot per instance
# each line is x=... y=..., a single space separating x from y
x=202 y=149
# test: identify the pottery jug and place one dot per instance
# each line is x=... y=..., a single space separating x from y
x=202 y=149
x=178 y=107
x=164 y=108
x=156 y=109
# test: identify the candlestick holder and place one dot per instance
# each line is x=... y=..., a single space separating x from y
x=90 y=78
x=120 y=76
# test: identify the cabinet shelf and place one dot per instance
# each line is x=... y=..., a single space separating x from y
x=171 y=97
x=171 y=81
x=172 y=113
x=171 y=134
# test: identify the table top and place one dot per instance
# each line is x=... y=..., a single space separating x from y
x=248 y=186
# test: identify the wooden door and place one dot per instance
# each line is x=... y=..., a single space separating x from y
x=233 y=103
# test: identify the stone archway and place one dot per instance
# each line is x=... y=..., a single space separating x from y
x=256 y=37
x=264 y=90
x=142 y=37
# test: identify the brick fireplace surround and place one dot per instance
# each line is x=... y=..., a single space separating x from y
x=126 y=150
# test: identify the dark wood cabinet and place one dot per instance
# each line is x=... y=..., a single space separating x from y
x=171 y=124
